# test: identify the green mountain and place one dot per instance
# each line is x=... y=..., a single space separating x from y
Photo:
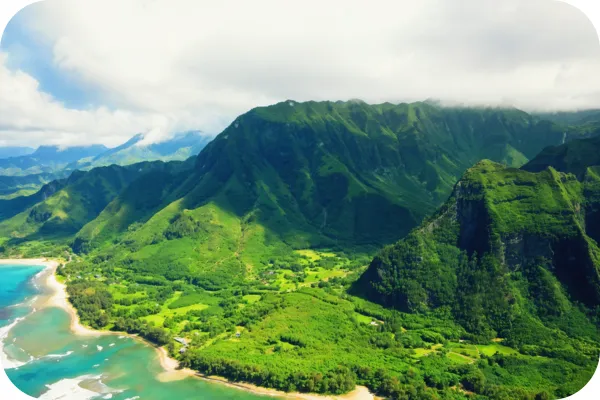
x=336 y=158
x=574 y=157
x=11 y=184
x=512 y=254
x=62 y=207
x=301 y=175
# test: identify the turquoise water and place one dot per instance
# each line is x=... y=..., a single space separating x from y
x=15 y=288
x=45 y=352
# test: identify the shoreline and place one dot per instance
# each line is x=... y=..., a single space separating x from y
x=48 y=263
x=58 y=297
x=359 y=392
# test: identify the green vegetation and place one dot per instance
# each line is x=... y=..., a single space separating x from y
x=16 y=186
x=258 y=253
x=509 y=256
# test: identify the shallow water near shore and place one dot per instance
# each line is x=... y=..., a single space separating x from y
x=15 y=287
x=46 y=360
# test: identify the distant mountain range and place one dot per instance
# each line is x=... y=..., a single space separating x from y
x=180 y=147
x=30 y=168
x=47 y=159
x=12 y=151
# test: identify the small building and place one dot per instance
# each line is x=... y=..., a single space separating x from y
x=238 y=334
x=182 y=350
x=181 y=341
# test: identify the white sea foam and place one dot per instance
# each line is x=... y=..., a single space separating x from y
x=68 y=353
x=99 y=348
x=108 y=396
x=17 y=364
x=133 y=398
x=121 y=337
x=27 y=303
x=69 y=389
x=5 y=360
x=5 y=330
x=111 y=345
x=84 y=345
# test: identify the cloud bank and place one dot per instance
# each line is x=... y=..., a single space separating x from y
x=164 y=65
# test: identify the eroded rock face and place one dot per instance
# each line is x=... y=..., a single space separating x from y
x=520 y=249
x=500 y=226
x=473 y=217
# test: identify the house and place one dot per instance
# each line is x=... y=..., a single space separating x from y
x=238 y=334
x=181 y=340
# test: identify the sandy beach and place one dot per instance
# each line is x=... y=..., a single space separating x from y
x=30 y=261
x=58 y=297
x=359 y=393
x=58 y=293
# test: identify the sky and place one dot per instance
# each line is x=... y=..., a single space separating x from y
x=74 y=73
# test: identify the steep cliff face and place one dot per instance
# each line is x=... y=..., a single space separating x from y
x=507 y=243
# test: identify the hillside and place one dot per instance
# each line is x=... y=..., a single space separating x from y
x=295 y=176
x=340 y=169
x=60 y=208
x=511 y=254
x=9 y=185
x=574 y=157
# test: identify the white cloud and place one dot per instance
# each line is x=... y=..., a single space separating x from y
x=181 y=64
x=31 y=117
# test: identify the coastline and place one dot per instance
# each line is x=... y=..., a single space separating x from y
x=58 y=297
x=359 y=393
x=29 y=262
